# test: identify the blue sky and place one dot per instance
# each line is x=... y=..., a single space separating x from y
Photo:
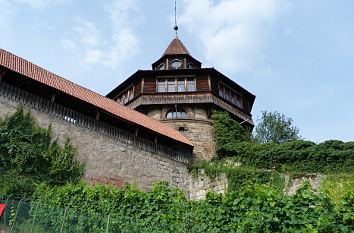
x=296 y=56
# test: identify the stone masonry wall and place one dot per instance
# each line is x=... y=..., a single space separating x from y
x=110 y=160
x=294 y=184
x=202 y=184
x=200 y=132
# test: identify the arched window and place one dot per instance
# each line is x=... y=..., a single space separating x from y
x=176 y=114
x=190 y=65
x=161 y=66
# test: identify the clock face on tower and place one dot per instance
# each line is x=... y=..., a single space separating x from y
x=176 y=64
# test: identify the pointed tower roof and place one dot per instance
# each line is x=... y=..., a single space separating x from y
x=176 y=50
x=176 y=47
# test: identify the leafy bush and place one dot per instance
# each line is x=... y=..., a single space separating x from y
x=226 y=128
x=296 y=155
x=254 y=208
x=238 y=177
x=29 y=155
x=16 y=186
x=337 y=187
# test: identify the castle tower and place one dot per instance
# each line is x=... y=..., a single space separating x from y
x=181 y=94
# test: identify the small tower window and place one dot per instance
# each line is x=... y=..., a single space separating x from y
x=161 y=85
x=161 y=66
x=176 y=114
x=181 y=85
x=182 y=129
x=176 y=64
x=190 y=65
x=171 y=85
x=230 y=95
x=191 y=84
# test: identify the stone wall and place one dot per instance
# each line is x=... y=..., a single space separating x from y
x=200 y=132
x=107 y=159
x=197 y=127
x=202 y=184
x=294 y=184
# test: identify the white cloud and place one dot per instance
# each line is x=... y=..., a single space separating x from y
x=88 y=33
x=94 y=47
x=232 y=32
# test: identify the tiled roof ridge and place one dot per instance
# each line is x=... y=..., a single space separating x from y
x=35 y=72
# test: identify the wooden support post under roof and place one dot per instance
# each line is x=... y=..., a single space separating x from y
x=97 y=116
x=209 y=82
x=2 y=74
x=52 y=99
x=136 y=131
x=142 y=85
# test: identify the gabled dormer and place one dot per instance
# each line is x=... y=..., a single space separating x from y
x=176 y=57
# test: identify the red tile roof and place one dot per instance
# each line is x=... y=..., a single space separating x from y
x=176 y=47
x=32 y=71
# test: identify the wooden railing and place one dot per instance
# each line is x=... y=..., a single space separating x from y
x=40 y=104
x=188 y=99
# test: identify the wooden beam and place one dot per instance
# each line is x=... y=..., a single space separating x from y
x=136 y=131
x=97 y=116
x=2 y=74
x=52 y=99
x=142 y=85
x=209 y=82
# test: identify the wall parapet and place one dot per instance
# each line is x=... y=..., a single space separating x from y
x=41 y=104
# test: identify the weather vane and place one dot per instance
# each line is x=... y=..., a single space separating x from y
x=176 y=27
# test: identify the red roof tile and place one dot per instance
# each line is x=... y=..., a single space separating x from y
x=32 y=71
x=176 y=47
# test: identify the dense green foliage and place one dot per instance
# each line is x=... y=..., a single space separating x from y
x=28 y=155
x=31 y=163
x=275 y=127
x=296 y=155
x=226 y=129
x=238 y=176
x=338 y=186
x=256 y=208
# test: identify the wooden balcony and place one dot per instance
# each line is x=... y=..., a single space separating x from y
x=206 y=98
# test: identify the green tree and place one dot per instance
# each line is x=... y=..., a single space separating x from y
x=275 y=127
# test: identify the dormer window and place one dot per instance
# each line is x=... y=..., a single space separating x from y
x=176 y=64
x=190 y=66
x=161 y=66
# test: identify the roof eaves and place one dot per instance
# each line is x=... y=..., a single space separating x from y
x=32 y=71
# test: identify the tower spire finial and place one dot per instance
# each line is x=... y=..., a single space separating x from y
x=176 y=27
